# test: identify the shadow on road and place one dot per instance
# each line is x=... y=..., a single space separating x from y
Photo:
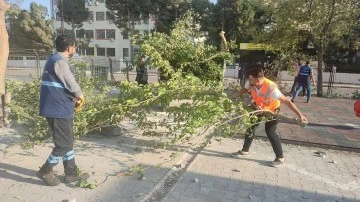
x=18 y=174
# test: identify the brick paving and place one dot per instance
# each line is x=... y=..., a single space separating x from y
x=215 y=176
x=331 y=122
x=212 y=175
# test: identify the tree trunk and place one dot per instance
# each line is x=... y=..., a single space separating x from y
x=320 y=71
x=224 y=48
x=4 y=45
x=131 y=50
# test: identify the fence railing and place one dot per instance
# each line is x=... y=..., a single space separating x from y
x=27 y=64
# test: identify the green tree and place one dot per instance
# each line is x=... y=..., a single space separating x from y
x=242 y=21
x=125 y=15
x=191 y=105
x=74 y=12
x=31 y=29
x=178 y=53
x=168 y=12
x=320 y=22
x=235 y=18
x=14 y=3
x=343 y=54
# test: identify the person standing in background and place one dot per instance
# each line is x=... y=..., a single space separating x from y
x=306 y=75
x=142 y=73
x=297 y=66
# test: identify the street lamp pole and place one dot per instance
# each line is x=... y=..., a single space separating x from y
x=62 y=17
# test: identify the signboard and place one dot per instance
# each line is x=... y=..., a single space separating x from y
x=254 y=46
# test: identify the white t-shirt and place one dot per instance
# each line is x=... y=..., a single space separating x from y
x=275 y=94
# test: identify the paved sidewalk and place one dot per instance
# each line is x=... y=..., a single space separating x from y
x=331 y=122
x=106 y=158
x=214 y=176
x=219 y=178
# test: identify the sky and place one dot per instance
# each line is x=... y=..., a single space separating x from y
x=26 y=3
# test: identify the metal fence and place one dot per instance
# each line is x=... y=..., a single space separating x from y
x=27 y=64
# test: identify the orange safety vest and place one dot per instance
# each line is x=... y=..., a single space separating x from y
x=262 y=100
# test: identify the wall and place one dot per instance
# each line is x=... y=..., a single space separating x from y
x=341 y=78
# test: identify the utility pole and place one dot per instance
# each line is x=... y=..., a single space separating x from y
x=131 y=30
x=62 y=17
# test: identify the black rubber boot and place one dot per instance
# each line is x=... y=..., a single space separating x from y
x=48 y=177
x=78 y=176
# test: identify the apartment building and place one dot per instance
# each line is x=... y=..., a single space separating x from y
x=105 y=38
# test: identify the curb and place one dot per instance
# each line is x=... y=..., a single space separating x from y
x=311 y=144
x=187 y=158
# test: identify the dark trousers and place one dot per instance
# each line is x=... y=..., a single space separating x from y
x=142 y=83
x=270 y=129
x=303 y=84
x=294 y=87
x=63 y=137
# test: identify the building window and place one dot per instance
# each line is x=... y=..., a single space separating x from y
x=100 y=34
x=100 y=51
x=100 y=16
x=30 y=58
x=110 y=33
x=89 y=34
x=90 y=51
x=125 y=35
x=55 y=2
x=110 y=52
x=43 y=57
x=15 y=58
x=136 y=51
x=105 y=34
x=66 y=32
x=91 y=15
x=125 y=52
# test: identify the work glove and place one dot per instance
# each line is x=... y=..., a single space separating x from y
x=80 y=101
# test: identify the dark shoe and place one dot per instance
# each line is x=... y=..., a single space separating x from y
x=79 y=176
x=278 y=162
x=239 y=153
x=307 y=101
x=49 y=178
x=292 y=100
